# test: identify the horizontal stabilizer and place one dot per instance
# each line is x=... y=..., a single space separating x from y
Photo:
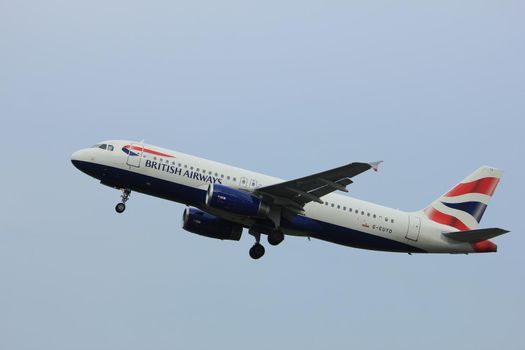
x=473 y=236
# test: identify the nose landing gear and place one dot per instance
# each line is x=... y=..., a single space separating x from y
x=120 y=207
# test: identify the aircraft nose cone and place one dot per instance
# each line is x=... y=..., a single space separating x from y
x=78 y=159
x=75 y=156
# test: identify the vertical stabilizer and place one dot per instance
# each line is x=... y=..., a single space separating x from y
x=464 y=205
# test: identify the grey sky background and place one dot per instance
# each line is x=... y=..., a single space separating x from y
x=285 y=88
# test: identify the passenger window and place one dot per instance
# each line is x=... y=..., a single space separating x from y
x=338 y=206
x=344 y=208
x=332 y=205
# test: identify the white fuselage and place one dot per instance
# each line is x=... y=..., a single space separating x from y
x=195 y=174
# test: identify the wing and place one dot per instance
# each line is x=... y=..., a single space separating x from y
x=296 y=193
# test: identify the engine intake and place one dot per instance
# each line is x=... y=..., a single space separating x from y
x=235 y=201
x=204 y=224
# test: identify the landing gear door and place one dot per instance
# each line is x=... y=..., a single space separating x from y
x=134 y=155
x=414 y=227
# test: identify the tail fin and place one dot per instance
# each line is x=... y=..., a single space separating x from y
x=463 y=206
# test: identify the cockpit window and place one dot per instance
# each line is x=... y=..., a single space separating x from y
x=103 y=146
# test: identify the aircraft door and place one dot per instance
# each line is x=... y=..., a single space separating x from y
x=135 y=155
x=244 y=182
x=414 y=227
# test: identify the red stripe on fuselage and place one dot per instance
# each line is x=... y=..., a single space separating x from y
x=486 y=186
x=445 y=219
x=150 y=151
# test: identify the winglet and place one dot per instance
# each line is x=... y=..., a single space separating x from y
x=375 y=165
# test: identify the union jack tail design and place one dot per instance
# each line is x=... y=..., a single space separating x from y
x=463 y=206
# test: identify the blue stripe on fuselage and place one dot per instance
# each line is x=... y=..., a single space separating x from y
x=346 y=236
x=120 y=178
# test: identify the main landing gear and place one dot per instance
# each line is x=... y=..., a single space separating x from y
x=275 y=238
x=257 y=250
x=119 y=208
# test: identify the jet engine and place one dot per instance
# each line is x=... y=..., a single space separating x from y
x=204 y=224
x=235 y=201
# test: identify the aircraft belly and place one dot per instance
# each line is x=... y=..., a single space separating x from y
x=300 y=225
x=346 y=236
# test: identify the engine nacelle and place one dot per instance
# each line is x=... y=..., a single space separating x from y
x=204 y=224
x=235 y=201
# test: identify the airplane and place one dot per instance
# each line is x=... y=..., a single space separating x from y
x=223 y=200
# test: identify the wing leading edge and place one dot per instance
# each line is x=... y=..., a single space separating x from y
x=294 y=194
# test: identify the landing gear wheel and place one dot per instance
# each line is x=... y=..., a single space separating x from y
x=119 y=208
x=275 y=238
x=257 y=251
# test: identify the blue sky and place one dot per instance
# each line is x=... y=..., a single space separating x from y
x=285 y=88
